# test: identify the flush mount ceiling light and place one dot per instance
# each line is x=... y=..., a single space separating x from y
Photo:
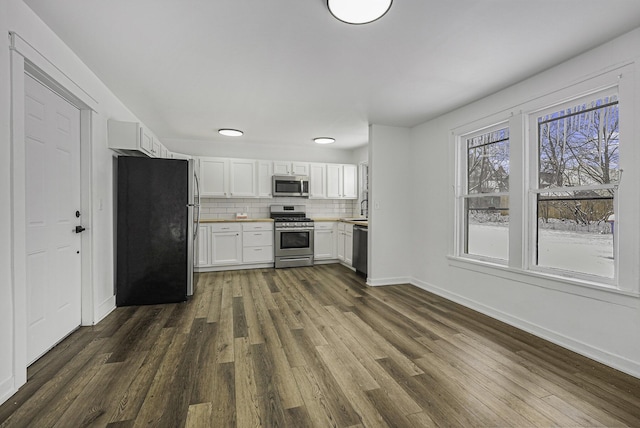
x=230 y=132
x=358 y=11
x=324 y=140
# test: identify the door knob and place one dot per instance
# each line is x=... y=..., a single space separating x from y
x=79 y=229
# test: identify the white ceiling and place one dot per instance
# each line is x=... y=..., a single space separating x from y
x=285 y=71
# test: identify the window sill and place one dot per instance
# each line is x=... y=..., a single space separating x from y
x=579 y=287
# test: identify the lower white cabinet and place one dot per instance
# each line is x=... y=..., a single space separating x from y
x=257 y=242
x=226 y=244
x=325 y=240
x=345 y=243
x=204 y=241
x=234 y=245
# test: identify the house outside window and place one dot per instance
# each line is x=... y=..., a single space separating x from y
x=486 y=194
x=568 y=211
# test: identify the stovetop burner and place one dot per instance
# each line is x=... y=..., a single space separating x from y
x=304 y=219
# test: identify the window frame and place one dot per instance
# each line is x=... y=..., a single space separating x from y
x=534 y=190
x=624 y=76
x=462 y=186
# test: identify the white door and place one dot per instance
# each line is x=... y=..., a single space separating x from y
x=52 y=152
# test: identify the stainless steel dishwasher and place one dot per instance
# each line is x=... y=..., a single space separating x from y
x=360 y=242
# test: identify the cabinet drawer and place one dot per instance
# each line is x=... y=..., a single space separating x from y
x=257 y=238
x=324 y=225
x=256 y=226
x=257 y=254
x=226 y=227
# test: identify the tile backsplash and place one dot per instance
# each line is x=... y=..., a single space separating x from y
x=212 y=208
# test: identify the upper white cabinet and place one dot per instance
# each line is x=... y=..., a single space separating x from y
x=265 y=173
x=290 y=168
x=250 y=178
x=317 y=180
x=133 y=139
x=342 y=181
x=129 y=138
x=174 y=155
x=243 y=181
x=350 y=181
x=228 y=178
x=214 y=177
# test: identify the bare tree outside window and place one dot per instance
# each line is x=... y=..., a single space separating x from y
x=578 y=161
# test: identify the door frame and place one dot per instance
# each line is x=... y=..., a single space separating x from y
x=25 y=59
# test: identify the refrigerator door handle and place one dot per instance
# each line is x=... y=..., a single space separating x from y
x=197 y=206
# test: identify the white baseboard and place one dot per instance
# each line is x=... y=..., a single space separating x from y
x=617 y=362
x=233 y=267
x=377 y=282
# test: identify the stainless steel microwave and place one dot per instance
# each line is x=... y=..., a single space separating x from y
x=291 y=185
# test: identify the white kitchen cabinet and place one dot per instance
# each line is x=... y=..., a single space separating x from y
x=334 y=181
x=290 y=168
x=156 y=148
x=345 y=243
x=214 y=177
x=129 y=138
x=174 y=155
x=257 y=242
x=164 y=153
x=348 y=245
x=226 y=244
x=204 y=241
x=317 y=181
x=265 y=182
x=350 y=181
x=243 y=181
x=325 y=240
x=342 y=181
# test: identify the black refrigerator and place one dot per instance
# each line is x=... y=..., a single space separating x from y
x=157 y=225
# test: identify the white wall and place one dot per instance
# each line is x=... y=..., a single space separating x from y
x=599 y=324
x=390 y=197
x=360 y=154
x=16 y=16
x=6 y=295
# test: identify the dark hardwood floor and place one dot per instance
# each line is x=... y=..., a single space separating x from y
x=314 y=347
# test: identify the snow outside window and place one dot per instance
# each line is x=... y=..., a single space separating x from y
x=575 y=194
x=486 y=195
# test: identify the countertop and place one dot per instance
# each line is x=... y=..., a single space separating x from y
x=256 y=220
x=235 y=220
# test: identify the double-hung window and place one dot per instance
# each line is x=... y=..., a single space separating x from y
x=485 y=194
x=541 y=195
x=574 y=193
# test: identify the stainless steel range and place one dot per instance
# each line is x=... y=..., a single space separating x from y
x=293 y=236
